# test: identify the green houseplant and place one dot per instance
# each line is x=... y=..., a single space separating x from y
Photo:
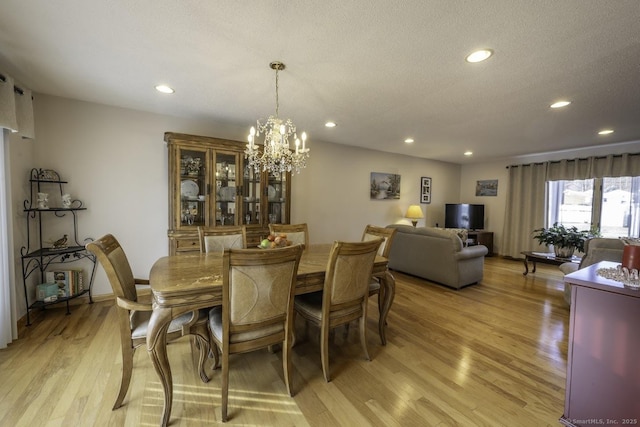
x=565 y=240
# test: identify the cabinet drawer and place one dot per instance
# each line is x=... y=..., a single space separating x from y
x=187 y=245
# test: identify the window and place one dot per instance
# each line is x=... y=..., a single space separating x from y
x=611 y=204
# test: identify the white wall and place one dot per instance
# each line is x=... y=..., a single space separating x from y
x=493 y=205
x=115 y=161
x=332 y=195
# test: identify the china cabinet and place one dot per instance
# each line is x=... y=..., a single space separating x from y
x=47 y=199
x=211 y=185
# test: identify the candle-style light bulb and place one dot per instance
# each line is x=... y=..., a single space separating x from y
x=297 y=145
x=304 y=139
x=252 y=134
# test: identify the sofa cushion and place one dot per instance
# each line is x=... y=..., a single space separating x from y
x=462 y=233
x=441 y=233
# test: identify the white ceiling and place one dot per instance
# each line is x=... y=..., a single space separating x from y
x=383 y=70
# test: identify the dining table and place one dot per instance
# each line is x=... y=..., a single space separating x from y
x=185 y=283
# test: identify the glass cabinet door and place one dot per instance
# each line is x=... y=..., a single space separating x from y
x=277 y=198
x=227 y=211
x=251 y=196
x=193 y=187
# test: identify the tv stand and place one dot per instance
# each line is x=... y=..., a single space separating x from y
x=481 y=237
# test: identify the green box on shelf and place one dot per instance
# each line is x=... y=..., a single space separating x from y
x=47 y=292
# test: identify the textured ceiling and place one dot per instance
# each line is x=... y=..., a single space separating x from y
x=383 y=70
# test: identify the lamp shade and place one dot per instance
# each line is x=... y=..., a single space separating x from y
x=414 y=212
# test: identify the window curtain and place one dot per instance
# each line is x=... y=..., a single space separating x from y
x=8 y=317
x=16 y=107
x=525 y=208
x=16 y=116
x=635 y=207
x=526 y=202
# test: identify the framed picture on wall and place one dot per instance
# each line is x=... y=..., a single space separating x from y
x=487 y=187
x=384 y=186
x=425 y=189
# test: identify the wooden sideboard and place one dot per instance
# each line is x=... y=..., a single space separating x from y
x=482 y=238
x=603 y=362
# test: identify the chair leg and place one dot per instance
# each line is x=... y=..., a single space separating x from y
x=225 y=384
x=215 y=353
x=324 y=351
x=286 y=364
x=363 y=336
x=127 y=370
x=203 y=345
x=213 y=350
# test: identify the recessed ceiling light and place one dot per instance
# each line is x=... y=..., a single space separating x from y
x=468 y=153
x=560 y=104
x=330 y=124
x=605 y=132
x=479 y=55
x=409 y=140
x=164 y=89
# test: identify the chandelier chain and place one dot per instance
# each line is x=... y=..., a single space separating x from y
x=277 y=97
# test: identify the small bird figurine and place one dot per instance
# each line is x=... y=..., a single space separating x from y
x=60 y=243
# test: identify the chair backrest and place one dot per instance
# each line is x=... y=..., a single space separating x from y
x=220 y=238
x=372 y=232
x=348 y=274
x=115 y=263
x=297 y=233
x=258 y=292
x=602 y=249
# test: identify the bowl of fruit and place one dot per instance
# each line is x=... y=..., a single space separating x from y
x=275 y=241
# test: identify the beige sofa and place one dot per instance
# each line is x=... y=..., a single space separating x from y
x=437 y=255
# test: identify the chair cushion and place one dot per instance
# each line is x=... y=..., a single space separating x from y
x=215 y=325
x=140 y=322
x=374 y=287
x=310 y=305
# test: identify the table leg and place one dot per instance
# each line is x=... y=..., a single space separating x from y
x=157 y=349
x=526 y=265
x=387 y=292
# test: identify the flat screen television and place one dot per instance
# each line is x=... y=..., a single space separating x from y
x=463 y=215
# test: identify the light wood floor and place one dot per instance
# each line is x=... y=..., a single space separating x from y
x=487 y=355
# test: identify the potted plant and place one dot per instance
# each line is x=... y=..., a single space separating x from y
x=565 y=240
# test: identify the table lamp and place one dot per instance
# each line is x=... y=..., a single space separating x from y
x=414 y=213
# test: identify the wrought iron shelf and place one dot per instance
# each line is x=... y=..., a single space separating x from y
x=35 y=257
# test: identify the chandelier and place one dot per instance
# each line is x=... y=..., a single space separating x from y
x=276 y=154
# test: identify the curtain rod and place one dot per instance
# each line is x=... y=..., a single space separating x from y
x=16 y=89
x=572 y=160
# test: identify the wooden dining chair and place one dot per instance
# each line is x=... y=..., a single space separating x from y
x=297 y=233
x=372 y=232
x=133 y=315
x=257 y=307
x=344 y=295
x=219 y=238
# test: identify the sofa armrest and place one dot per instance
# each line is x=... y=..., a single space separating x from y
x=472 y=252
x=568 y=267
